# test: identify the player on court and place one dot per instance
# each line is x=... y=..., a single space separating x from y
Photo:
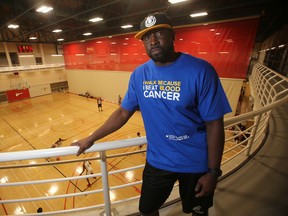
x=87 y=166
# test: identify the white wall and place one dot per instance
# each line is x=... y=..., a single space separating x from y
x=12 y=47
x=26 y=59
x=105 y=84
x=39 y=90
x=32 y=78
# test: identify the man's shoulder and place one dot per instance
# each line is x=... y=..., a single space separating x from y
x=199 y=65
x=143 y=65
x=194 y=59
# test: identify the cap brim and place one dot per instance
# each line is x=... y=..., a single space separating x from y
x=140 y=34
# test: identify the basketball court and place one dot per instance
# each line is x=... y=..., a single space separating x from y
x=39 y=122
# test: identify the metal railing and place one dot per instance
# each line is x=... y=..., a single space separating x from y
x=244 y=135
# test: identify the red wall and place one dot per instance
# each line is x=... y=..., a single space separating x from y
x=227 y=46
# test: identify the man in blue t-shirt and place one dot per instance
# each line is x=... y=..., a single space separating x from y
x=182 y=104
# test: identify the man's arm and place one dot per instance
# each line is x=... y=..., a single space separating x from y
x=215 y=141
x=117 y=119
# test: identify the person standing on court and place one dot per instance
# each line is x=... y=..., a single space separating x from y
x=182 y=103
x=99 y=103
x=119 y=100
x=86 y=166
x=57 y=144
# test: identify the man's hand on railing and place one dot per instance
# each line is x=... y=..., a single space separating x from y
x=83 y=144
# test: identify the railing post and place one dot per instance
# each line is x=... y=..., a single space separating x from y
x=253 y=133
x=105 y=183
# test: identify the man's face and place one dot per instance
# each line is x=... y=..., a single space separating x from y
x=159 y=44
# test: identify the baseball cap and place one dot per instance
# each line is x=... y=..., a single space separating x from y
x=153 y=21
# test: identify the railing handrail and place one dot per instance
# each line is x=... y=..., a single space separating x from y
x=252 y=114
x=70 y=150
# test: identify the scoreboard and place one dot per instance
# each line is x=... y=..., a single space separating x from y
x=25 y=48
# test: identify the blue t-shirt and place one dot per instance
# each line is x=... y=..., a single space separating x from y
x=175 y=102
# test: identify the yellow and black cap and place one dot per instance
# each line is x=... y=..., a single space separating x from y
x=153 y=21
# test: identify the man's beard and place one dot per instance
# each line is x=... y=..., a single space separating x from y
x=163 y=56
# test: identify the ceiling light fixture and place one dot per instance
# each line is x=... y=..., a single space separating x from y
x=199 y=14
x=96 y=19
x=57 y=30
x=87 y=33
x=60 y=39
x=176 y=1
x=44 y=9
x=13 y=26
x=33 y=38
x=126 y=26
